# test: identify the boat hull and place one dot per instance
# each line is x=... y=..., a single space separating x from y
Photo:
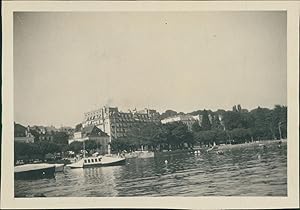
x=36 y=173
x=98 y=162
x=116 y=163
x=59 y=167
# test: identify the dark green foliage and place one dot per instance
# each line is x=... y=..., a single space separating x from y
x=155 y=137
x=168 y=113
x=236 y=126
x=244 y=126
x=206 y=125
x=19 y=130
x=216 y=124
x=78 y=127
x=120 y=144
x=36 y=135
x=48 y=147
x=60 y=138
x=178 y=135
x=91 y=145
x=196 y=127
x=76 y=146
x=239 y=108
x=234 y=109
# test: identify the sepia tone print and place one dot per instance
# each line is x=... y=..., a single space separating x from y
x=125 y=104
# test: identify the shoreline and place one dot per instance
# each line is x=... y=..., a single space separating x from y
x=229 y=146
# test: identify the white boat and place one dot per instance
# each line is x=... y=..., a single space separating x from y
x=98 y=160
x=34 y=171
x=107 y=160
x=59 y=167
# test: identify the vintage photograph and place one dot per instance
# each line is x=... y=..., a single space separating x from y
x=150 y=103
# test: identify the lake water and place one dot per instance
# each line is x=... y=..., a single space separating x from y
x=247 y=170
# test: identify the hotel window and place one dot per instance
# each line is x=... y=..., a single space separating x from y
x=96 y=160
x=89 y=160
x=92 y=160
x=85 y=161
x=99 y=159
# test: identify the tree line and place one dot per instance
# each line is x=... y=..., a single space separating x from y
x=220 y=127
x=49 y=150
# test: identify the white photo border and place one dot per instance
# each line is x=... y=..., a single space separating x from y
x=205 y=202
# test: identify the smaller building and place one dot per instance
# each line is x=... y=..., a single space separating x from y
x=39 y=129
x=68 y=130
x=94 y=133
x=188 y=120
x=22 y=134
x=46 y=137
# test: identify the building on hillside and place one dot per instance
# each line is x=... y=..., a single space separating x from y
x=186 y=119
x=116 y=123
x=94 y=133
x=189 y=120
x=46 y=136
x=47 y=133
x=39 y=129
x=66 y=129
x=43 y=133
x=22 y=134
x=51 y=128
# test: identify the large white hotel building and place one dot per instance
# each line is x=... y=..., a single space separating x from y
x=116 y=123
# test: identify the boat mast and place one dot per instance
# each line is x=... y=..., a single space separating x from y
x=83 y=148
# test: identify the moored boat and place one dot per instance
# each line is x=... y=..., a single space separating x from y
x=99 y=161
x=59 y=167
x=34 y=171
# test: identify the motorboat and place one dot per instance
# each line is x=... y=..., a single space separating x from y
x=34 y=171
x=99 y=161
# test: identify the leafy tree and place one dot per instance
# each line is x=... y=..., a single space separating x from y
x=78 y=127
x=279 y=121
x=180 y=135
x=240 y=135
x=35 y=134
x=232 y=120
x=91 y=145
x=262 y=123
x=48 y=147
x=216 y=124
x=234 y=109
x=198 y=112
x=205 y=125
x=196 y=127
x=120 y=144
x=76 y=146
x=60 y=137
x=168 y=113
x=239 y=108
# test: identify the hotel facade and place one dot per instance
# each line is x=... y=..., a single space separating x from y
x=117 y=123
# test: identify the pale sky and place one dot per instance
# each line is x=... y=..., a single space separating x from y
x=66 y=64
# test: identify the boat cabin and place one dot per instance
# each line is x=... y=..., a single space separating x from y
x=92 y=160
